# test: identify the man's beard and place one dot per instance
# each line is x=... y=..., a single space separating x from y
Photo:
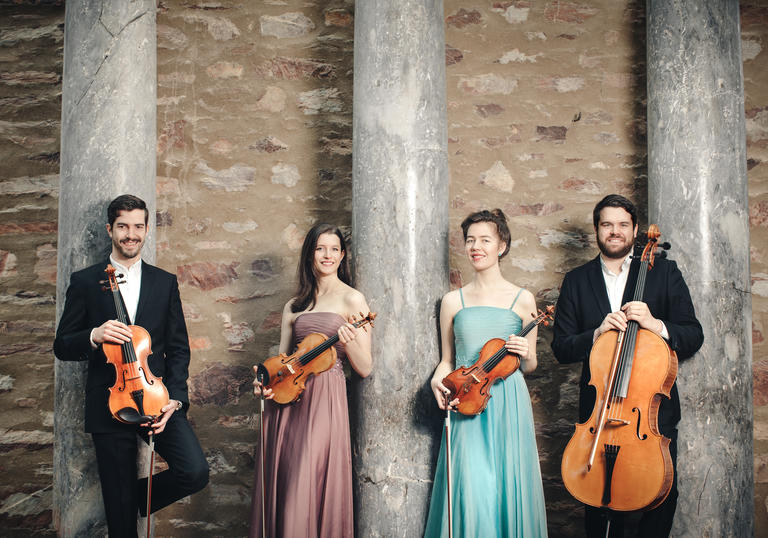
x=124 y=252
x=614 y=255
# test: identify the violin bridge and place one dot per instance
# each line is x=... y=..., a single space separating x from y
x=475 y=378
x=290 y=368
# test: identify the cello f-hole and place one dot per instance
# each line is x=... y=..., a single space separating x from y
x=644 y=436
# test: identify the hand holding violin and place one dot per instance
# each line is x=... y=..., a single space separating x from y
x=112 y=332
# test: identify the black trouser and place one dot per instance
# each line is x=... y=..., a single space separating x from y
x=123 y=494
x=656 y=523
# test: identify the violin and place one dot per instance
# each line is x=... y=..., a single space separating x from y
x=618 y=459
x=137 y=396
x=472 y=385
x=286 y=375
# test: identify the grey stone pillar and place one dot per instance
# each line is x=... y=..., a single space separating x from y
x=108 y=140
x=400 y=240
x=698 y=195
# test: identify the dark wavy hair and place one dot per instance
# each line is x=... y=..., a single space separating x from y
x=614 y=200
x=126 y=202
x=496 y=217
x=307 y=288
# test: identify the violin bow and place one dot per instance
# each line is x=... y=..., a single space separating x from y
x=149 y=478
x=448 y=476
x=261 y=461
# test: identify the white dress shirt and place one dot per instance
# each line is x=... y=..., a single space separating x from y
x=130 y=287
x=615 y=284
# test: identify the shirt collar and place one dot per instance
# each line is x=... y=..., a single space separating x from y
x=624 y=265
x=135 y=268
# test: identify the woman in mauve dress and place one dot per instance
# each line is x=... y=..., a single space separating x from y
x=307 y=454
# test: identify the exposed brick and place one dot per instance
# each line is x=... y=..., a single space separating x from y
x=452 y=55
x=207 y=275
x=7 y=264
x=338 y=17
x=295 y=68
x=758 y=213
x=45 y=266
x=491 y=109
x=29 y=228
x=552 y=133
x=201 y=343
x=560 y=11
x=171 y=136
x=272 y=321
x=220 y=384
x=463 y=18
x=29 y=78
x=269 y=144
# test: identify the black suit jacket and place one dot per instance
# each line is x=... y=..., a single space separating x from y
x=159 y=312
x=583 y=304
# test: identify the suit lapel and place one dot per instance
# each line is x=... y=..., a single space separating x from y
x=147 y=285
x=597 y=282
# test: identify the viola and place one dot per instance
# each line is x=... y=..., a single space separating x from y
x=618 y=459
x=137 y=396
x=472 y=385
x=286 y=375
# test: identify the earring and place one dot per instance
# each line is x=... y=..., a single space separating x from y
x=499 y=254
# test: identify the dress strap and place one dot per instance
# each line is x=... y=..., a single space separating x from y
x=516 y=296
x=461 y=294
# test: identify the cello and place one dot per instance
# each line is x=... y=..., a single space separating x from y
x=617 y=459
x=137 y=397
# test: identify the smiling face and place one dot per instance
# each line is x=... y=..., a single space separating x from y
x=483 y=245
x=128 y=233
x=328 y=254
x=615 y=233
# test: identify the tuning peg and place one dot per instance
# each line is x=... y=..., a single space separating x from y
x=103 y=281
x=665 y=245
x=104 y=288
x=662 y=254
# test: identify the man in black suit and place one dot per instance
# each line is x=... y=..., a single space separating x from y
x=597 y=297
x=151 y=298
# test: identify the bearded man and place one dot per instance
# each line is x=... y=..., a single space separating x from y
x=597 y=297
x=152 y=301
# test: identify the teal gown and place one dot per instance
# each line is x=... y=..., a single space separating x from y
x=497 y=488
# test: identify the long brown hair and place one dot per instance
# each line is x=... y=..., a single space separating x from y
x=307 y=288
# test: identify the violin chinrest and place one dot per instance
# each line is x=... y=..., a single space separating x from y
x=130 y=416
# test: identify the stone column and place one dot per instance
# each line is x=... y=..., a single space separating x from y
x=400 y=241
x=108 y=144
x=698 y=195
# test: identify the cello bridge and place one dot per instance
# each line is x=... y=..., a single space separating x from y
x=620 y=421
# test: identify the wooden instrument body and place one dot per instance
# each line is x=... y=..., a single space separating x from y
x=641 y=477
x=135 y=386
x=287 y=377
x=472 y=385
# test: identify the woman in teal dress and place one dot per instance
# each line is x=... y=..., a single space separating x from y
x=497 y=489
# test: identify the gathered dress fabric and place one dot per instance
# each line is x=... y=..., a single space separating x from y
x=308 y=461
x=497 y=489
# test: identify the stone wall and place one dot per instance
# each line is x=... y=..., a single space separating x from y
x=754 y=50
x=546 y=113
x=31 y=53
x=254 y=146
